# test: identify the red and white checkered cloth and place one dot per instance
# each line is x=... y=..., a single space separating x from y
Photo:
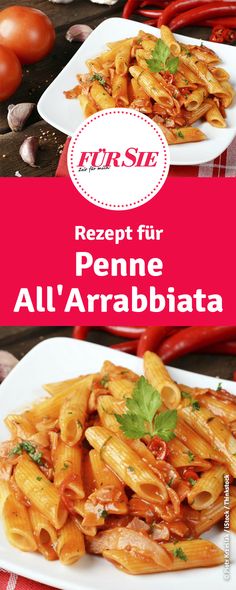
x=13 y=582
x=223 y=166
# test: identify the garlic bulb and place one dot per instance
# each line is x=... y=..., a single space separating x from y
x=78 y=33
x=7 y=362
x=18 y=114
x=28 y=150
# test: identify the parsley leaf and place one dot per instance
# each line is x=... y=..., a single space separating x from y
x=30 y=449
x=180 y=134
x=164 y=424
x=141 y=418
x=195 y=405
x=178 y=552
x=191 y=456
x=219 y=387
x=193 y=402
x=103 y=513
x=99 y=78
x=192 y=481
x=161 y=60
x=104 y=380
x=132 y=425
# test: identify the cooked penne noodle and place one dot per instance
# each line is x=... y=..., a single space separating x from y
x=122 y=58
x=120 y=90
x=117 y=455
x=207 y=488
x=228 y=98
x=4 y=493
x=121 y=388
x=87 y=106
x=225 y=410
x=159 y=377
x=195 y=442
x=219 y=73
x=41 y=493
x=17 y=525
x=198 y=553
x=103 y=476
x=211 y=516
x=44 y=533
x=67 y=468
x=19 y=426
x=214 y=116
x=168 y=38
x=183 y=134
x=102 y=99
x=151 y=86
x=73 y=413
x=215 y=432
x=70 y=546
x=181 y=456
x=195 y=99
x=66 y=386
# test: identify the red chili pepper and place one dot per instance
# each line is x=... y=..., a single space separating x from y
x=152 y=22
x=130 y=7
x=220 y=34
x=158 y=3
x=189 y=473
x=234 y=376
x=80 y=332
x=125 y=331
x=177 y=7
x=149 y=13
x=151 y=338
x=211 y=9
x=129 y=346
x=158 y=448
x=194 y=338
x=225 y=21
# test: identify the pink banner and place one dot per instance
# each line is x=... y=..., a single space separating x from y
x=58 y=268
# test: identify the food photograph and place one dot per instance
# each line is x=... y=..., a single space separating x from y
x=61 y=61
x=118 y=456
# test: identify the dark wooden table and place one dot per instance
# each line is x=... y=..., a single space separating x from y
x=38 y=76
x=19 y=340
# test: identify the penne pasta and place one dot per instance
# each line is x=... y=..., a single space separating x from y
x=67 y=469
x=159 y=377
x=44 y=533
x=73 y=413
x=17 y=525
x=70 y=546
x=214 y=116
x=169 y=39
x=207 y=488
x=40 y=492
x=151 y=86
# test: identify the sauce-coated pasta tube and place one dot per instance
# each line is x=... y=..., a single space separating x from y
x=198 y=553
x=120 y=90
x=44 y=533
x=42 y=494
x=73 y=413
x=17 y=525
x=122 y=59
x=203 y=72
x=182 y=134
x=159 y=377
x=126 y=464
x=214 y=116
x=195 y=442
x=87 y=106
x=19 y=426
x=67 y=468
x=121 y=388
x=169 y=39
x=101 y=97
x=195 y=99
x=70 y=546
x=207 y=488
x=151 y=86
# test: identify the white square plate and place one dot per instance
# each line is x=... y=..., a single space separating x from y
x=61 y=358
x=66 y=115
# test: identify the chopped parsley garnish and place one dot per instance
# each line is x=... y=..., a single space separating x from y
x=39 y=478
x=130 y=468
x=104 y=380
x=180 y=134
x=195 y=405
x=65 y=466
x=191 y=456
x=141 y=417
x=103 y=513
x=219 y=387
x=178 y=552
x=169 y=483
x=161 y=60
x=192 y=481
x=30 y=449
x=99 y=78
x=193 y=402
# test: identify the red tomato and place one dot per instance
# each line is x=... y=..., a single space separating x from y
x=10 y=73
x=189 y=474
x=158 y=448
x=27 y=31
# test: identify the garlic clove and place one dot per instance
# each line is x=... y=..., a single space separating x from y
x=28 y=151
x=7 y=363
x=18 y=114
x=78 y=33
